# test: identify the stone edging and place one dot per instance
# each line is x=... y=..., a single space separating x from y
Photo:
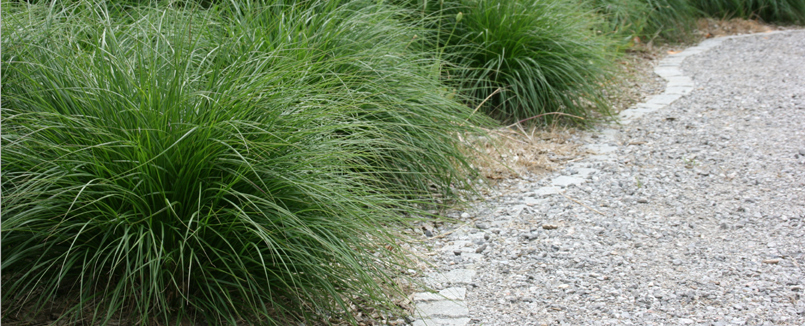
x=678 y=84
x=448 y=307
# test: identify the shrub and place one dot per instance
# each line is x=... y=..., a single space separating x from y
x=243 y=162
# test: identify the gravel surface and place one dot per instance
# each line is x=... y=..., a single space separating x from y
x=690 y=215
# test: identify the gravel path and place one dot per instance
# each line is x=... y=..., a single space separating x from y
x=693 y=213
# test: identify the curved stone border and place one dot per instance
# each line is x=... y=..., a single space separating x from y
x=448 y=307
x=678 y=84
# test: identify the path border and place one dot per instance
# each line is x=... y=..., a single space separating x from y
x=678 y=85
x=449 y=307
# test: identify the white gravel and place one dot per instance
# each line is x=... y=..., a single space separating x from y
x=690 y=215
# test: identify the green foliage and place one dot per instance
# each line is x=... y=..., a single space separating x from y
x=673 y=20
x=529 y=57
x=249 y=160
x=782 y=11
x=623 y=19
x=239 y=162
x=670 y=20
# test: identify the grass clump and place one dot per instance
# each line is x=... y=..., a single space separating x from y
x=643 y=21
x=779 y=11
x=521 y=59
x=234 y=164
x=673 y=20
x=623 y=19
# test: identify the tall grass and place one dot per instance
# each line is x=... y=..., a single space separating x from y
x=522 y=59
x=623 y=19
x=646 y=20
x=673 y=20
x=782 y=11
x=241 y=162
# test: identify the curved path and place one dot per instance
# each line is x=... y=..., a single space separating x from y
x=691 y=212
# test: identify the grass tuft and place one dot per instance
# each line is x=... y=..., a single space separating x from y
x=645 y=21
x=773 y=11
x=521 y=59
x=241 y=162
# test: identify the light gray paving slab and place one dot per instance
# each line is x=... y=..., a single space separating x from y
x=564 y=181
x=547 y=191
x=679 y=81
x=442 y=308
x=442 y=322
x=452 y=293
x=601 y=148
x=456 y=276
x=681 y=90
x=668 y=71
x=664 y=98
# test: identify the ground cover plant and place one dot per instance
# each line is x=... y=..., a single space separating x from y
x=674 y=20
x=782 y=11
x=623 y=20
x=632 y=22
x=255 y=161
x=241 y=163
x=523 y=59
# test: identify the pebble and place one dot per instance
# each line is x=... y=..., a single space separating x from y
x=723 y=185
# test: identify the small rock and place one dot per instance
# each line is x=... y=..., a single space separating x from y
x=480 y=249
x=550 y=226
x=530 y=236
x=642 y=200
x=686 y=321
x=465 y=215
x=457 y=252
x=482 y=226
x=802 y=151
x=771 y=261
